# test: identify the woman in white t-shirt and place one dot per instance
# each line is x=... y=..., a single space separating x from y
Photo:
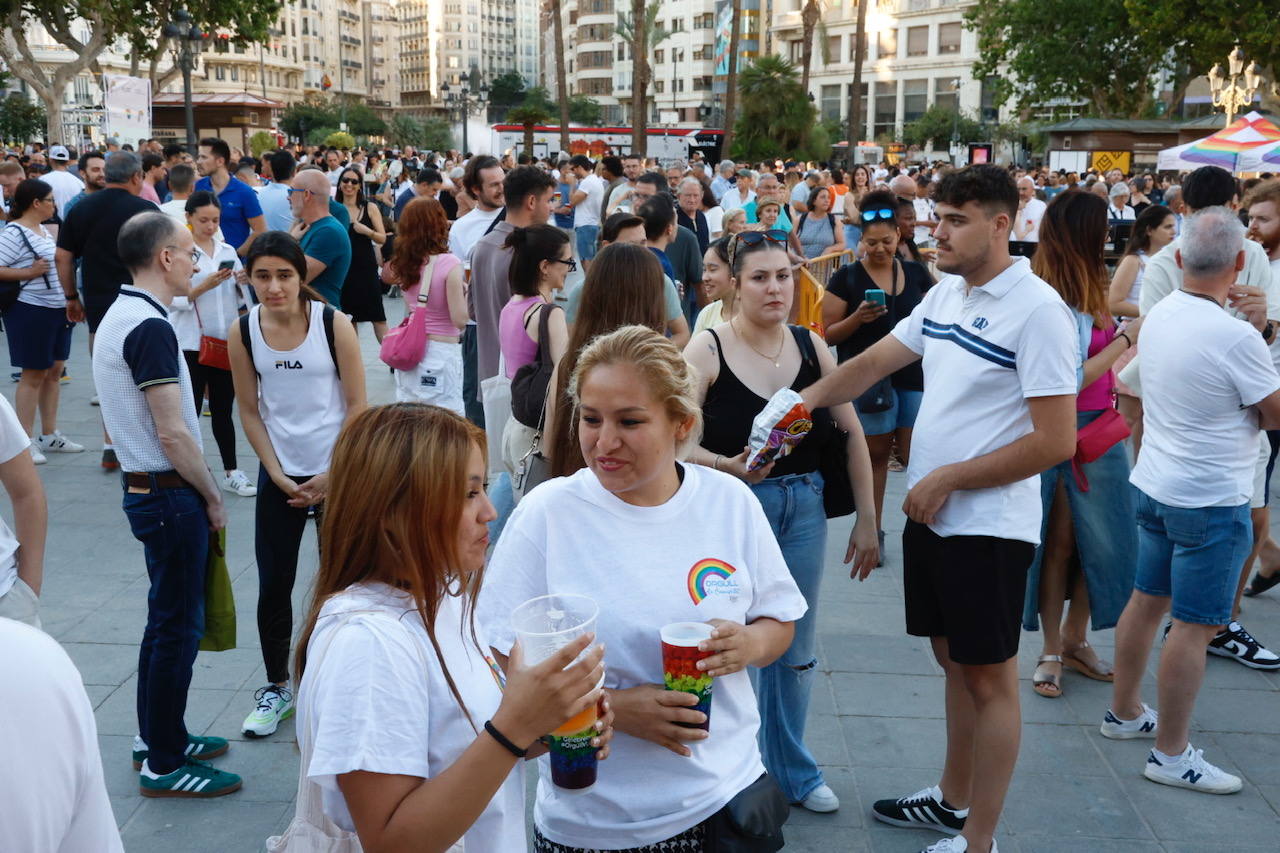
x=408 y=736
x=213 y=305
x=653 y=541
x=299 y=361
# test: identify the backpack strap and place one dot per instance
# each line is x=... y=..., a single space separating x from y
x=328 y=337
x=22 y=234
x=246 y=340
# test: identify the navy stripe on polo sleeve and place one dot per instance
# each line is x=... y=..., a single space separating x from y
x=151 y=351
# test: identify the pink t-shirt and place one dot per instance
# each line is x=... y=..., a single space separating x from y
x=149 y=193
x=518 y=349
x=438 y=320
x=1098 y=394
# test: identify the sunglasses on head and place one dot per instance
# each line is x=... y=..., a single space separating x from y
x=755 y=238
x=875 y=215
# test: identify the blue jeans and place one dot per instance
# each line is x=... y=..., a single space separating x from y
x=1192 y=556
x=793 y=505
x=471 y=377
x=173 y=527
x=587 y=236
x=852 y=237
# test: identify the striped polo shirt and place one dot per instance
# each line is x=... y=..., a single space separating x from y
x=984 y=351
x=136 y=348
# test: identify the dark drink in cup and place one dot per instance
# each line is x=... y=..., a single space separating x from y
x=573 y=758
x=680 y=671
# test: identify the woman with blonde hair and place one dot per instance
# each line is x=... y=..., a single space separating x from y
x=654 y=541
x=1090 y=519
x=405 y=729
x=735 y=221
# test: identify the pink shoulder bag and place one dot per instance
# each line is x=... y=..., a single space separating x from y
x=404 y=346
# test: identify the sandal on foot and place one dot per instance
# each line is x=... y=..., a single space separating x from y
x=1045 y=683
x=1097 y=669
x=1261 y=583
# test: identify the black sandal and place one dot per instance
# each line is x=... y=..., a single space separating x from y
x=1261 y=583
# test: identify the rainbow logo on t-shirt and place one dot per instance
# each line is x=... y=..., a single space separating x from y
x=706 y=576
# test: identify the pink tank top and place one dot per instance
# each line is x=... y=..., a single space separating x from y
x=438 y=320
x=1098 y=394
x=518 y=349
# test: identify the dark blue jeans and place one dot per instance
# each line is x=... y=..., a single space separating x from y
x=471 y=378
x=173 y=527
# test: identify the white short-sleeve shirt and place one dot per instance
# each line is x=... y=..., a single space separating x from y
x=1202 y=370
x=985 y=350
x=706 y=553
x=374 y=698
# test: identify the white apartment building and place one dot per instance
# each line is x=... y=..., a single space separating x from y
x=918 y=53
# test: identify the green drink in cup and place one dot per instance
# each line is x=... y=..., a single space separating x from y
x=680 y=656
x=545 y=625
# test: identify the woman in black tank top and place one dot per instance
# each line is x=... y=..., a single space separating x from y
x=742 y=363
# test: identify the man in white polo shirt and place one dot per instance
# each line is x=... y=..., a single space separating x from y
x=170 y=498
x=1000 y=353
x=1026 y=227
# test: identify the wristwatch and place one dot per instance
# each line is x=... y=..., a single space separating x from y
x=72 y=297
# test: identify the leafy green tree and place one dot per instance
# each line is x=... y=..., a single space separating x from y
x=777 y=118
x=404 y=130
x=937 y=125
x=301 y=118
x=506 y=90
x=584 y=110
x=340 y=139
x=261 y=142
x=20 y=120
x=436 y=135
x=1110 y=62
x=360 y=118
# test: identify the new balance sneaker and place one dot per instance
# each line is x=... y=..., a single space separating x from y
x=1144 y=725
x=1237 y=643
x=922 y=810
x=58 y=443
x=109 y=460
x=1191 y=771
x=37 y=457
x=193 y=779
x=275 y=704
x=959 y=844
x=821 y=800
x=198 y=746
x=237 y=482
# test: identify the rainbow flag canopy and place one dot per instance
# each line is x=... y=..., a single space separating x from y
x=1231 y=148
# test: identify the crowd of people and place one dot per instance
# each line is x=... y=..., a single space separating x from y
x=599 y=442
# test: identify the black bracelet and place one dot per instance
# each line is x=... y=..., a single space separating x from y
x=1126 y=339
x=73 y=298
x=502 y=740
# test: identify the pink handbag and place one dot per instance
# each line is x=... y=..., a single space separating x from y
x=1094 y=439
x=404 y=346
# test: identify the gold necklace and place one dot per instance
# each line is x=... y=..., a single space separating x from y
x=774 y=358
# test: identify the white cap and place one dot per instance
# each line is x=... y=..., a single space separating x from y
x=59 y=152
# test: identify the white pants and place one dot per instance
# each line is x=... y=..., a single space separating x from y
x=21 y=604
x=436 y=380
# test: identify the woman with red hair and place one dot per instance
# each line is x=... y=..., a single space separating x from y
x=426 y=271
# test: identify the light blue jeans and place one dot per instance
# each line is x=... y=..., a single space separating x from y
x=852 y=237
x=793 y=505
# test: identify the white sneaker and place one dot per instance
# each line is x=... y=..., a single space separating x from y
x=275 y=704
x=956 y=844
x=1193 y=772
x=36 y=456
x=93 y=401
x=58 y=443
x=821 y=800
x=1143 y=726
x=238 y=482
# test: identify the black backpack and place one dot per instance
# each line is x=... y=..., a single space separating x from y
x=529 y=385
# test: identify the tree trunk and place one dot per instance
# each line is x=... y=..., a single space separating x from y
x=809 y=22
x=639 y=78
x=528 y=138
x=855 y=93
x=562 y=83
x=731 y=88
x=50 y=89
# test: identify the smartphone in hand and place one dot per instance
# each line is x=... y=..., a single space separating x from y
x=876 y=295
x=227 y=265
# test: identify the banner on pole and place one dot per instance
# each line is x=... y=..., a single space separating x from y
x=128 y=106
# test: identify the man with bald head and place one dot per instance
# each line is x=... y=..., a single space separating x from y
x=1026 y=227
x=323 y=239
x=904 y=187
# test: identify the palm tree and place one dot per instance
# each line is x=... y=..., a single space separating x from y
x=855 y=92
x=562 y=83
x=642 y=34
x=530 y=114
x=731 y=88
x=809 y=21
x=776 y=118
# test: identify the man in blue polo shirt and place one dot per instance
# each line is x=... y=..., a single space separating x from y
x=242 y=217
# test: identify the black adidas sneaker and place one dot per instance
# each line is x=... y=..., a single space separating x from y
x=922 y=810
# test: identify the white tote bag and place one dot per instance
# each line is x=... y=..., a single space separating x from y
x=495 y=393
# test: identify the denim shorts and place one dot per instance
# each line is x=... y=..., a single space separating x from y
x=587 y=238
x=1193 y=556
x=901 y=415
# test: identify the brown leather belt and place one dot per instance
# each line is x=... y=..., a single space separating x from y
x=144 y=483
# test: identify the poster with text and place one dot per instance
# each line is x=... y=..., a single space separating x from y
x=128 y=106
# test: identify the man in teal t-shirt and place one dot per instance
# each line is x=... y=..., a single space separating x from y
x=325 y=242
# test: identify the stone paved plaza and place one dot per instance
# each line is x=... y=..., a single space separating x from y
x=876 y=716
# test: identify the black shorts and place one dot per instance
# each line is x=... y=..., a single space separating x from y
x=968 y=589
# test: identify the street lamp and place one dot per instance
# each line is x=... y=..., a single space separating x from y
x=187 y=40
x=472 y=95
x=1234 y=91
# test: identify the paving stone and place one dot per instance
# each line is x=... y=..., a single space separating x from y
x=202 y=826
x=1072 y=805
x=882 y=695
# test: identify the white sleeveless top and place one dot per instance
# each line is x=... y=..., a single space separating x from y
x=299 y=396
x=1135 y=291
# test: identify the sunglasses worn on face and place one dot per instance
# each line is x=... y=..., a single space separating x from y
x=874 y=215
x=755 y=238
x=351 y=181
